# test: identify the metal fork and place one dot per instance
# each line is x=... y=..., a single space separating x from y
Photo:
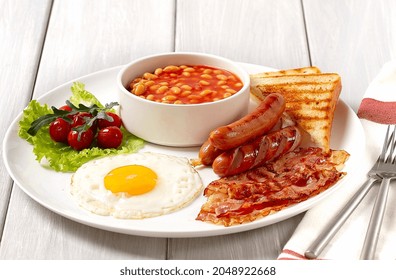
x=336 y=223
x=387 y=171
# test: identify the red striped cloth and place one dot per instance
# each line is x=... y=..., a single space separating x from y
x=287 y=254
x=379 y=101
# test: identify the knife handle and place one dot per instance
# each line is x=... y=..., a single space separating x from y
x=335 y=224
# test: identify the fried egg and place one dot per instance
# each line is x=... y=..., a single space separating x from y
x=136 y=186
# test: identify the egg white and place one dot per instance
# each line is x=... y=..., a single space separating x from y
x=178 y=184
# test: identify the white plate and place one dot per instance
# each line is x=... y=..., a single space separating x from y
x=51 y=189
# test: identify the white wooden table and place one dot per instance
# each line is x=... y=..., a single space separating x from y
x=46 y=43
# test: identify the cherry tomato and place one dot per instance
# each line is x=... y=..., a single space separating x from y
x=109 y=137
x=102 y=123
x=85 y=141
x=59 y=130
x=65 y=108
x=83 y=118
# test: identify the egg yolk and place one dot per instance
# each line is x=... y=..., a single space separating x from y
x=132 y=179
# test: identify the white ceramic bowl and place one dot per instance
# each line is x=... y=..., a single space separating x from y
x=179 y=125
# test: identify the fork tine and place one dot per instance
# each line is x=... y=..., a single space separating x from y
x=385 y=146
x=392 y=160
x=391 y=144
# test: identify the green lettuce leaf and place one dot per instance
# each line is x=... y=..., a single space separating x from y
x=59 y=156
x=81 y=96
x=32 y=112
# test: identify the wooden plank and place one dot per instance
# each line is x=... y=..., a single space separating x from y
x=34 y=232
x=20 y=48
x=87 y=36
x=83 y=37
x=264 y=32
x=243 y=31
x=263 y=243
x=353 y=38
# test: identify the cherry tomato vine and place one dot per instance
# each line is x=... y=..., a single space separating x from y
x=78 y=125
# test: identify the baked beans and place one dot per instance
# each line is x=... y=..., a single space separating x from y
x=186 y=84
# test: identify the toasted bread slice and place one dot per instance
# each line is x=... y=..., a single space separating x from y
x=310 y=100
x=295 y=71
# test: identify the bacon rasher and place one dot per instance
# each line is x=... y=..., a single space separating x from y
x=294 y=177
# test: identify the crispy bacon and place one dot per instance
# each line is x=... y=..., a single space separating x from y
x=293 y=178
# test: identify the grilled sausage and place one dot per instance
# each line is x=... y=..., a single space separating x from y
x=208 y=153
x=256 y=123
x=257 y=152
